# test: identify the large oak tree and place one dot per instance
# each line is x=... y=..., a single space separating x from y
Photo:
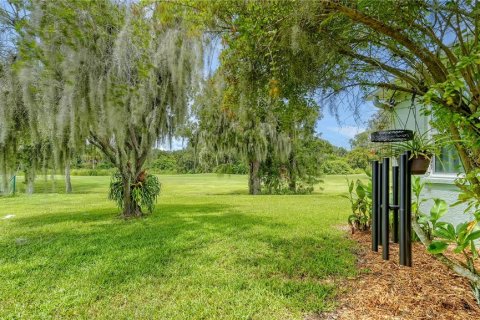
x=116 y=74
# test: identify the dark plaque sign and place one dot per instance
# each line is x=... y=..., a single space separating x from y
x=391 y=136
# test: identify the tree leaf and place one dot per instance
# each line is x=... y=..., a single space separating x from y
x=437 y=247
x=350 y=187
x=360 y=191
x=439 y=209
x=473 y=236
x=445 y=231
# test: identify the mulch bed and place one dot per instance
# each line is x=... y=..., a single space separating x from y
x=386 y=290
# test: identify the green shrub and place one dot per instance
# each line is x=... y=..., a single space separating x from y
x=163 y=162
x=104 y=165
x=92 y=172
x=336 y=166
x=359 y=158
x=231 y=168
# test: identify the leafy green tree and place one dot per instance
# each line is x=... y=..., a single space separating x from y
x=361 y=140
x=363 y=150
x=163 y=161
x=336 y=166
x=11 y=121
x=429 y=49
x=359 y=158
x=117 y=75
x=226 y=128
x=263 y=87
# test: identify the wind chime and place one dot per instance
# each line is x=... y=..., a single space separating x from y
x=399 y=209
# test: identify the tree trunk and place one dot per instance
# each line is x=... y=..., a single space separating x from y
x=254 y=179
x=30 y=181
x=4 y=186
x=129 y=159
x=292 y=184
x=130 y=207
x=68 y=182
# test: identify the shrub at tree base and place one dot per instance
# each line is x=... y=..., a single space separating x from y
x=143 y=192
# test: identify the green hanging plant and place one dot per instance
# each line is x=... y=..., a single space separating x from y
x=421 y=146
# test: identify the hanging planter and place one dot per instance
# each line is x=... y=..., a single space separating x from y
x=419 y=164
x=422 y=149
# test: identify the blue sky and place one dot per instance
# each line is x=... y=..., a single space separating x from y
x=340 y=131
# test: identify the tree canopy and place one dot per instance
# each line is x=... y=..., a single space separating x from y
x=116 y=75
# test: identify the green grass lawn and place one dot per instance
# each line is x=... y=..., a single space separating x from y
x=208 y=251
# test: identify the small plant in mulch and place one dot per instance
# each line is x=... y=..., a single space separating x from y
x=454 y=246
x=360 y=197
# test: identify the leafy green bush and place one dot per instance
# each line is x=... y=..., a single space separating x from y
x=438 y=235
x=417 y=201
x=231 y=168
x=163 y=161
x=359 y=158
x=336 y=166
x=104 y=165
x=92 y=172
x=358 y=171
x=462 y=238
x=281 y=187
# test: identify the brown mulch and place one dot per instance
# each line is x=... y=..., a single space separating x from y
x=386 y=290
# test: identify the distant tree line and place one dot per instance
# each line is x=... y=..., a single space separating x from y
x=316 y=156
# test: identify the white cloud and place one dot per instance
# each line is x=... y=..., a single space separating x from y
x=346 y=131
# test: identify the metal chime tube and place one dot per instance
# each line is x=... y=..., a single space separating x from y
x=395 y=203
x=375 y=205
x=385 y=207
x=379 y=208
x=402 y=210
x=408 y=211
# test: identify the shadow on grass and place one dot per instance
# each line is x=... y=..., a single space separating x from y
x=230 y=193
x=109 y=254
x=127 y=249
x=168 y=213
x=57 y=186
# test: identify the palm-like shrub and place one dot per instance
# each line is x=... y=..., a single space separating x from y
x=143 y=192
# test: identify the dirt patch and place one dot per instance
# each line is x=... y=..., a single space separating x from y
x=386 y=290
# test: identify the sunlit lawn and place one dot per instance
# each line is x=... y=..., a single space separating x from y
x=208 y=251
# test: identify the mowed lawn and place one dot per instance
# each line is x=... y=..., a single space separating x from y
x=209 y=251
